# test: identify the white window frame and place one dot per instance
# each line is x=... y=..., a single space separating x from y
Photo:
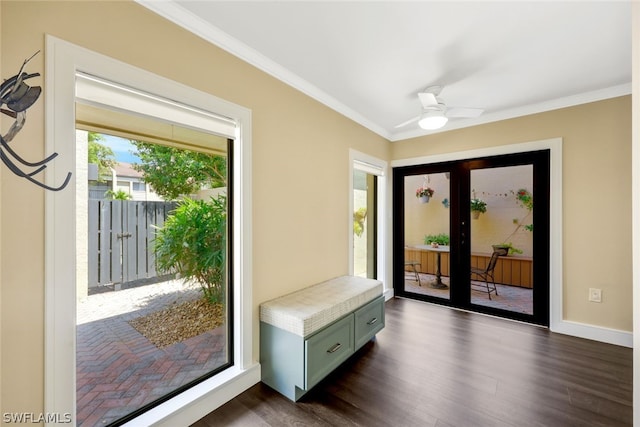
x=373 y=166
x=63 y=61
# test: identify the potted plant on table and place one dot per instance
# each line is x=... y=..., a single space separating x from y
x=478 y=206
x=436 y=239
x=424 y=194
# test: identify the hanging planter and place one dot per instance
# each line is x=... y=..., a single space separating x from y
x=424 y=194
x=478 y=206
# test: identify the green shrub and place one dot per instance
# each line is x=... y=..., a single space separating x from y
x=358 y=221
x=193 y=243
x=117 y=195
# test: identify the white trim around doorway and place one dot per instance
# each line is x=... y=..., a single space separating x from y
x=557 y=323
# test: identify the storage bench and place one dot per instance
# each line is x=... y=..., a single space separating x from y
x=307 y=334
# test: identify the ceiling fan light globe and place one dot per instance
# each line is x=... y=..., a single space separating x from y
x=432 y=120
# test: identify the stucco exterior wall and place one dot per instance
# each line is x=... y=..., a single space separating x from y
x=496 y=187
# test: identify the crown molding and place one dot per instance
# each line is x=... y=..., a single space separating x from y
x=175 y=13
x=511 y=113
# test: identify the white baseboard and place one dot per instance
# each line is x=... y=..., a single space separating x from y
x=196 y=402
x=575 y=329
x=595 y=333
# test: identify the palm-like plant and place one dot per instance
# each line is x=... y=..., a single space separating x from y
x=193 y=243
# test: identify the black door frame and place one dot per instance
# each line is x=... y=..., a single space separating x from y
x=460 y=219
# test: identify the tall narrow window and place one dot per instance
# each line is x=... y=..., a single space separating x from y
x=367 y=235
x=365 y=188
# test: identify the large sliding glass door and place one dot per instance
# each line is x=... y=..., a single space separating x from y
x=473 y=244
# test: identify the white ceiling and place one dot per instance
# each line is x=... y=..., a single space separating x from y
x=369 y=59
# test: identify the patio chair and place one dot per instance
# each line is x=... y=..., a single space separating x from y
x=412 y=265
x=487 y=272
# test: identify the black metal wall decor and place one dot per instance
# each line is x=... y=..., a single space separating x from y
x=18 y=97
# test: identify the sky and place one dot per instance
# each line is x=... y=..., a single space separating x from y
x=122 y=148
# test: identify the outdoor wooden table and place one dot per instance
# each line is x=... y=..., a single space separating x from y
x=437 y=283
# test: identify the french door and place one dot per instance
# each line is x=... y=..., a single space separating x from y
x=474 y=234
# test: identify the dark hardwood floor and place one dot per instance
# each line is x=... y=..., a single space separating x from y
x=433 y=366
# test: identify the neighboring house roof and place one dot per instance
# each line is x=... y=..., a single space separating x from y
x=126 y=170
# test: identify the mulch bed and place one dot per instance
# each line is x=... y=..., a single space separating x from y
x=180 y=321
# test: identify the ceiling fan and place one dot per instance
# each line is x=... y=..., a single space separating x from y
x=435 y=113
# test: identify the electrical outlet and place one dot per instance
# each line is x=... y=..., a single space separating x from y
x=595 y=295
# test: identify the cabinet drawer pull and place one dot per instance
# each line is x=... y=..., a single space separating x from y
x=372 y=321
x=334 y=348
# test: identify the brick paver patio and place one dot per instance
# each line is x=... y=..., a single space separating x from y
x=118 y=370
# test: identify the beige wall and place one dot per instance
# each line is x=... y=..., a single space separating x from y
x=596 y=197
x=300 y=176
x=1 y=179
x=300 y=171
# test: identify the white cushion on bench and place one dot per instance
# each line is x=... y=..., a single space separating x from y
x=310 y=309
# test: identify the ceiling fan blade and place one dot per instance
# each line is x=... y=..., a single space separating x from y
x=435 y=89
x=408 y=122
x=463 y=112
x=427 y=99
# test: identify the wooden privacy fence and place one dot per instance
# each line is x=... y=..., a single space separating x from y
x=120 y=239
x=510 y=270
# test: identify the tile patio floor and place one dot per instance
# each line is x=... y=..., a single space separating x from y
x=118 y=370
x=512 y=298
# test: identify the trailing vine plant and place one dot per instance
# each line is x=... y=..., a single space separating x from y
x=524 y=199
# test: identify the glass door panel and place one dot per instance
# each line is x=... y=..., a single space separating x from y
x=502 y=238
x=427 y=235
x=475 y=206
